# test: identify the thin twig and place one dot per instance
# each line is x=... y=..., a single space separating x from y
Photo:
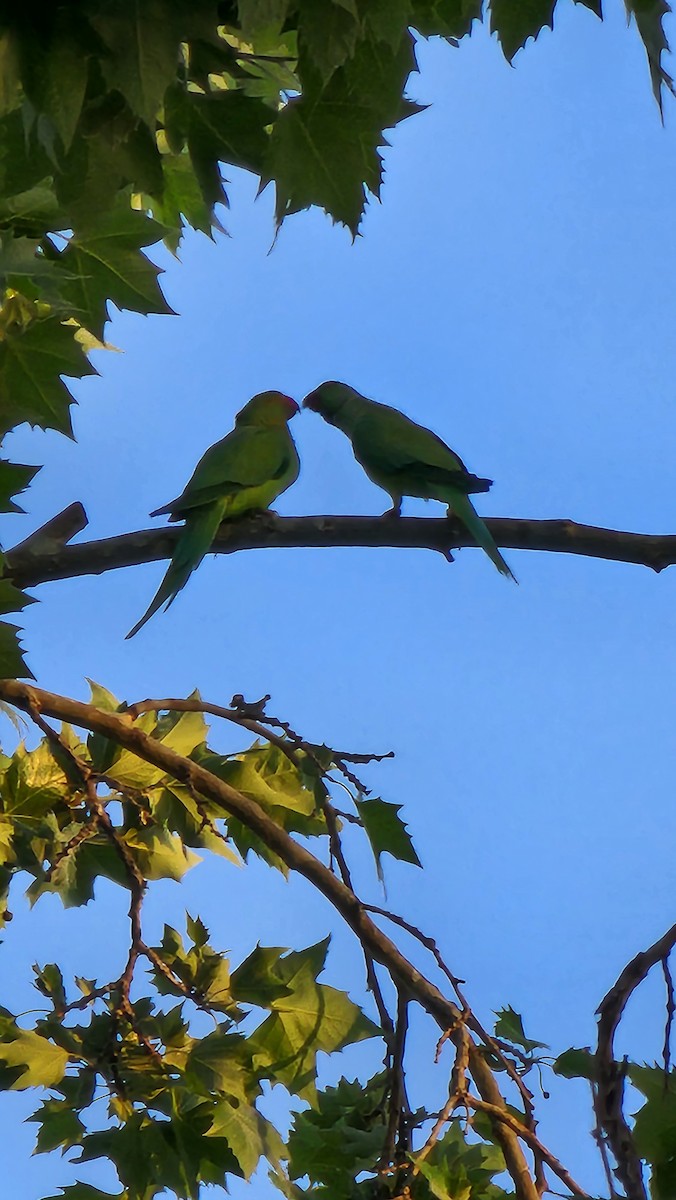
x=669 y=983
x=532 y=1140
x=457 y=1094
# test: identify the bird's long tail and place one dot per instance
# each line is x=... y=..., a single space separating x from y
x=463 y=509
x=196 y=537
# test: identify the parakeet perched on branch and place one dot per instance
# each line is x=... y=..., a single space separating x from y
x=404 y=458
x=243 y=473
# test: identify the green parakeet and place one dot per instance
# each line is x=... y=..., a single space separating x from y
x=244 y=472
x=404 y=458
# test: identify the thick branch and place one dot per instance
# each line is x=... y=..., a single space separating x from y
x=610 y=1077
x=120 y=727
x=28 y=567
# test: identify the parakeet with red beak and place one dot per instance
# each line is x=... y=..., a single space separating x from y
x=405 y=459
x=243 y=473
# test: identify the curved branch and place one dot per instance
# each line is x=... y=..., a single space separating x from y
x=610 y=1074
x=121 y=728
x=28 y=567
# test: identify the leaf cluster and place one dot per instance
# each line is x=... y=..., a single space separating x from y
x=181 y=1103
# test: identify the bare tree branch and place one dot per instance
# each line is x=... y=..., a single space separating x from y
x=32 y=563
x=610 y=1073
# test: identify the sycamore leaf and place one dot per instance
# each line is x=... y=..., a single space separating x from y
x=576 y=1063
x=55 y=77
x=509 y=1027
x=31 y=364
x=143 y=39
x=14 y=479
x=328 y=33
x=221 y=1062
x=388 y=20
x=649 y=16
x=41 y=1063
x=266 y=775
x=311 y=1018
x=59 y=1125
x=249 y=1135
x=448 y=18
x=261 y=15
x=516 y=23
x=462 y=1170
x=324 y=144
x=105 y=263
x=340 y=1137
x=85 y=1191
x=33 y=784
x=10 y=72
x=11 y=599
x=159 y=854
x=12 y=662
x=181 y=199
x=258 y=980
x=655 y=1127
x=386 y=832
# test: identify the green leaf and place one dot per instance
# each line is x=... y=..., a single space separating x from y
x=311 y=1018
x=249 y=1135
x=649 y=16
x=143 y=39
x=324 y=145
x=448 y=18
x=516 y=23
x=55 y=76
x=33 y=784
x=576 y=1063
x=509 y=1027
x=226 y=127
x=181 y=732
x=464 y=1171
x=31 y=364
x=181 y=199
x=41 y=1063
x=259 y=979
x=341 y=1137
x=59 y=1125
x=10 y=72
x=267 y=776
x=12 y=662
x=386 y=832
x=388 y=20
x=14 y=479
x=85 y=1191
x=655 y=1127
x=328 y=33
x=105 y=263
x=221 y=1062
x=159 y=854
x=11 y=599
x=261 y=15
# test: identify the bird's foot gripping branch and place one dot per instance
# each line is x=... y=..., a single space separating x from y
x=130 y=798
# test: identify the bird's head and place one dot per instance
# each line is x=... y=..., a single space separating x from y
x=267 y=408
x=328 y=399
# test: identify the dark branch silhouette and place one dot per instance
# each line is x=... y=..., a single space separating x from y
x=42 y=560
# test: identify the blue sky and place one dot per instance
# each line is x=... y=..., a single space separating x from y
x=514 y=291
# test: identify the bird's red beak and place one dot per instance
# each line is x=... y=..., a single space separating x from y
x=293 y=406
x=309 y=401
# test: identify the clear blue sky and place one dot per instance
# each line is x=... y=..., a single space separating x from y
x=515 y=291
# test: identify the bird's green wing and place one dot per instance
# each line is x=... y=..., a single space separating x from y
x=247 y=458
x=386 y=442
